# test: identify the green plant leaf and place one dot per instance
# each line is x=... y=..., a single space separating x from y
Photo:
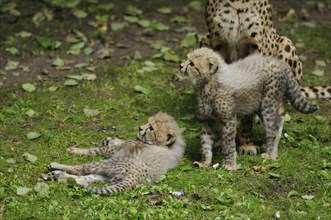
x=28 y=87
x=64 y=3
x=33 y=135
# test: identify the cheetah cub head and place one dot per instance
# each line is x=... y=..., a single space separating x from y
x=201 y=64
x=161 y=129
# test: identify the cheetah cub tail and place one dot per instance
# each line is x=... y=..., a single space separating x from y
x=297 y=99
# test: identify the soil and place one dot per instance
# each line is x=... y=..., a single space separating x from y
x=122 y=44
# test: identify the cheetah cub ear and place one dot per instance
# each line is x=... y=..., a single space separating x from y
x=213 y=65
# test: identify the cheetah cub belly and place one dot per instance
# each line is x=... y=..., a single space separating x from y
x=256 y=84
x=158 y=148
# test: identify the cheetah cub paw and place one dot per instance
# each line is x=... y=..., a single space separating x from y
x=249 y=149
x=201 y=164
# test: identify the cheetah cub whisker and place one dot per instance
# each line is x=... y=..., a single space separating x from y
x=159 y=147
x=256 y=84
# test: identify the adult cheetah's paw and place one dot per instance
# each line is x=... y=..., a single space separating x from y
x=201 y=164
x=249 y=149
x=230 y=166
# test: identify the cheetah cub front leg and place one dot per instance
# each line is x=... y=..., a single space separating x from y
x=110 y=146
x=206 y=142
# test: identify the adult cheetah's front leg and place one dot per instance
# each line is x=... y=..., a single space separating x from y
x=246 y=145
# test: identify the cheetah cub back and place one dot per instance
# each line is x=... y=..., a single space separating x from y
x=256 y=84
x=159 y=147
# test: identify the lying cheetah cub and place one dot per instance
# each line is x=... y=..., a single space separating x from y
x=158 y=148
x=254 y=84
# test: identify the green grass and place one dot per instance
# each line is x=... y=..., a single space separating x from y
x=303 y=165
x=297 y=185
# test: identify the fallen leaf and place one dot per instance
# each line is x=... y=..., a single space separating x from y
x=11 y=65
x=58 y=62
x=41 y=187
x=131 y=10
x=171 y=57
x=52 y=88
x=165 y=10
x=274 y=175
x=11 y=160
x=76 y=48
x=141 y=89
x=28 y=87
x=30 y=113
x=318 y=72
x=78 y=13
x=29 y=157
x=144 y=23
x=320 y=63
x=12 y=50
x=195 y=4
x=131 y=19
x=88 y=50
x=64 y=3
x=33 y=135
x=89 y=76
x=70 y=82
x=117 y=26
x=21 y=191
x=308 y=197
x=292 y=193
x=159 y=26
x=91 y=112
x=190 y=40
x=178 y=19
x=77 y=77
x=23 y=34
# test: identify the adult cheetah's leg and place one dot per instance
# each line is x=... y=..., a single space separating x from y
x=205 y=40
x=206 y=143
x=246 y=137
x=229 y=143
x=111 y=145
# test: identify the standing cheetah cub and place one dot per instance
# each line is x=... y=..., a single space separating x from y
x=256 y=84
x=158 y=148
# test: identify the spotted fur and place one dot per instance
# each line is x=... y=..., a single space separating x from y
x=256 y=84
x=238 y=28
x=158 y=148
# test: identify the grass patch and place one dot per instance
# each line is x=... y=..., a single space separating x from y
x=302 y=169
